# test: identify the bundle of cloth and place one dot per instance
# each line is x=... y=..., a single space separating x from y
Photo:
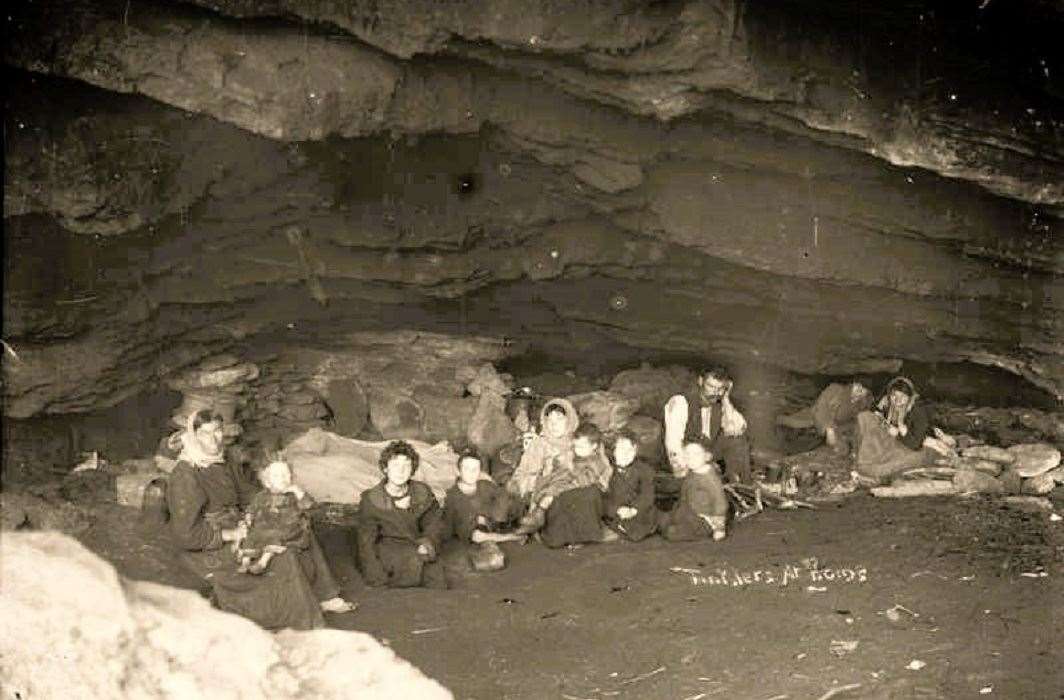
x=336 y=469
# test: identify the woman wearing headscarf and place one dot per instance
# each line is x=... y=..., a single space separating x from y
x=205 y=498
x=550 y=449
x=890 y=439
x=573 y=514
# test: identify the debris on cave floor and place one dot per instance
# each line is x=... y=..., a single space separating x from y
x=1010 y=538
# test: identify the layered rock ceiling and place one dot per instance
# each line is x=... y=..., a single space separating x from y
x=821 y=187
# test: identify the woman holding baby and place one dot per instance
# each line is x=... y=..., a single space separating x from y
x=207 y=499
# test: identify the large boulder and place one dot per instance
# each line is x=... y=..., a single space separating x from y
x=989 y=453
x=490 y=428
x=607 y=410
x=648 y=430
x=24 y=510
x=417 y=385
x=652 y=386
x=971 y=481
x=985 y=466
x=1011 y=481
x=1039 y=485
x=349 y=405
x=110 y=638
x=1035 y=459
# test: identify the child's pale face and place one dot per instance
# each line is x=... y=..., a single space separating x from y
x=276 y=477
x=624 y=452
x=898 y=399
x=695 y=457
x=469 y=470
x=399 y=470
x=584 y=447
x=555 y=424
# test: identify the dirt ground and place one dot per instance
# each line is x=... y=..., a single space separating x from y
x=618 y=621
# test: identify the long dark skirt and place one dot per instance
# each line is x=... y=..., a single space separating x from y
x=406 y=568
x=574 y=517
x=287 y=595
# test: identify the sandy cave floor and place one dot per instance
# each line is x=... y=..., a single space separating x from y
x=613 y=620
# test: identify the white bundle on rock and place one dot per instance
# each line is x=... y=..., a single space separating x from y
x=335 y=469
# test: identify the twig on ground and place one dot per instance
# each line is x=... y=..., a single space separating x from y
x=839 y=691
x=79 y=300
x=643 y=676
x=10 y=350
x=428 y=630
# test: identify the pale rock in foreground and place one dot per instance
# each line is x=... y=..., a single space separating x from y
x=71 y=627
x=1035 y=459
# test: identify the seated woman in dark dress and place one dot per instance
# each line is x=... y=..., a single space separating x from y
x=400 y=526
x=205 y=498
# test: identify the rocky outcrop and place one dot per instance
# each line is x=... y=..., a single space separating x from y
x=108 y=637
x=699 y=179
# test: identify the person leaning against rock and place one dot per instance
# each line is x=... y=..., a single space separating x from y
x=706 y=413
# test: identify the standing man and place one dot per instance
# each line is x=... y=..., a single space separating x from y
x=706 y=413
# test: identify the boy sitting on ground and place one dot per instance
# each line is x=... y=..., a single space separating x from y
x=276 y=519
x=629 y=504
x=702 y=510
x=476 y=510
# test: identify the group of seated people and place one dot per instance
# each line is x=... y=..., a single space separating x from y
x=563 y=482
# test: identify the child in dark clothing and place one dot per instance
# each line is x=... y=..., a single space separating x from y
x=400 y=526
x=276 y=519
x=475 y=508
x=702 y=510
x=629 y=502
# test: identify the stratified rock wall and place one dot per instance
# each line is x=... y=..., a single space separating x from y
x=705 y=178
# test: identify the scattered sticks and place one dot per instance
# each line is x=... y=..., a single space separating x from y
x=643 y=676
x=839 y=691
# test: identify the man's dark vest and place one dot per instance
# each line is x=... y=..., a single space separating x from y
x=693 y=429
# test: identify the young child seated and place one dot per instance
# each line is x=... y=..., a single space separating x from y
x=702 y=510
x=582 y=477
x=276 y=519
x=476 y=509
x=629 y=503
x=400 y=525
